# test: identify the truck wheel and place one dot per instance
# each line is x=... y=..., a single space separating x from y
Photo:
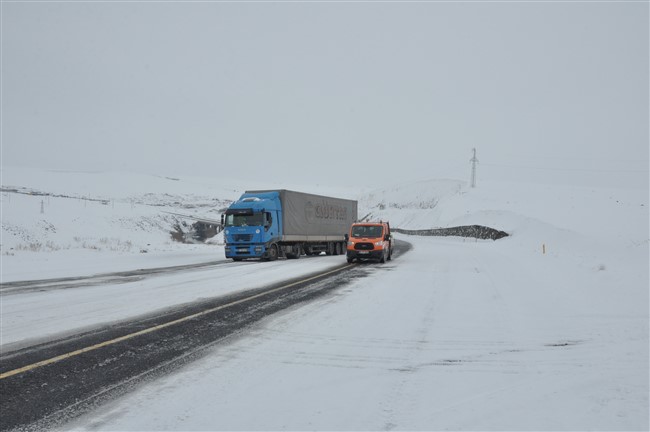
x=272 y=253
x=350 y=260
x=295 y=252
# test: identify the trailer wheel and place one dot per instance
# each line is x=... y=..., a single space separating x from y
x=295 y=252
x=338 y=249
x=272 y=253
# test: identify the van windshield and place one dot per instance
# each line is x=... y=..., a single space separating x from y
x=369 y=231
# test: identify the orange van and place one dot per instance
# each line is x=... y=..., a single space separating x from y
x=369 y=241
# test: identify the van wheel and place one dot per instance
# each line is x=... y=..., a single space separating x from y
x=383 y=257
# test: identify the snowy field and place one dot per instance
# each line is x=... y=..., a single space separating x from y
x=544 y=330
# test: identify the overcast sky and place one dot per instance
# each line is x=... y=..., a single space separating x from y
x=327 y=92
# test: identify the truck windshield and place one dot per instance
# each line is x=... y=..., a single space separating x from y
x=256 y=219
x=366 y=231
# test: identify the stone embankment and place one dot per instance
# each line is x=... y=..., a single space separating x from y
x=474 y=231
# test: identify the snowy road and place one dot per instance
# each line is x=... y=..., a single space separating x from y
x=30 y=315
x=454 y=335
x=66 y=376
x=99 y=279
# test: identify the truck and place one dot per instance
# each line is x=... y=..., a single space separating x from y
x=369 y=241
x=269 y=224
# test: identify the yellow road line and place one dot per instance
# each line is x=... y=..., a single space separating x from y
x=158 y=327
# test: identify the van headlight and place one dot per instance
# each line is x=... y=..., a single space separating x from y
x=379 y=243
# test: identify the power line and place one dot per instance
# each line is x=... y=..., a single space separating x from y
x=566 y=169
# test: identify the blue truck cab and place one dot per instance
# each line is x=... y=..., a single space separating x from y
x=252 y=224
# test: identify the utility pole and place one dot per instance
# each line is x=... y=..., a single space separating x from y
x=474 y=161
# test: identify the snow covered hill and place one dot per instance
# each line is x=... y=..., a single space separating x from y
x=58 y=223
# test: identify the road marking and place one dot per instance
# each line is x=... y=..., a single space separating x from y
x=160 y=326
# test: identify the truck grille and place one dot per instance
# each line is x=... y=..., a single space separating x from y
x=363 y=246
x=242 y=237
